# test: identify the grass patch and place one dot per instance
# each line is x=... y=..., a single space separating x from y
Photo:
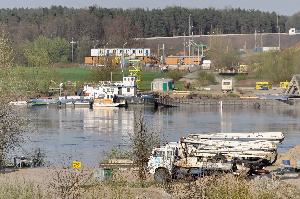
x=74 y=74
x=240 y=77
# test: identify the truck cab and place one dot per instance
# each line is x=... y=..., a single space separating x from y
x=162 y=160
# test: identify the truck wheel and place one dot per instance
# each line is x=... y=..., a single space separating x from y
x=161 y=175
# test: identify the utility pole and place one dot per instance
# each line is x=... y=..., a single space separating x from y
x=261 y=39
x=255 y=34
x=278 y=27
x=190 y=28
x=279 y=39
x=72 y=43
x=184 y=44
x=123 y=58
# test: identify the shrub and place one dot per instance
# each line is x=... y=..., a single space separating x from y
x=175 y=74
x=18 y=188
x=206 y=79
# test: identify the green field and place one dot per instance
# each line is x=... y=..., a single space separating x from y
x=84 y=75
x=74 y=74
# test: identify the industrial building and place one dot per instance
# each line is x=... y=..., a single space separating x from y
x=100 y=56
x=162 y=85
x=118 y=52
x=182 y=60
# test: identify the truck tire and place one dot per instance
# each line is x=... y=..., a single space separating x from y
x=162 y=175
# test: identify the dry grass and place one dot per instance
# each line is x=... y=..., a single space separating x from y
x=232 y=187
x=68 y=183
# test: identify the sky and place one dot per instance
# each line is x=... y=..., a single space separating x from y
x=285 y=7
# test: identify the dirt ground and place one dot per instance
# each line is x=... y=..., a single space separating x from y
x=293 y=154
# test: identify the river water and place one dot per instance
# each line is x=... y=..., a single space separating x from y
x=87 y=135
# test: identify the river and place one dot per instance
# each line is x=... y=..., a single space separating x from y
x=87 y=135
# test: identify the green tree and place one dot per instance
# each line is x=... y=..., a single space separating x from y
x=58 y=50
x=6 y=50
x=11 y=125
x=44 y=51
x=222 y=52
x=12 y=128
x=276 y=66
x=36 y=52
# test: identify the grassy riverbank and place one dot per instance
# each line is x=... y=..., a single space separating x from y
x=67 y=183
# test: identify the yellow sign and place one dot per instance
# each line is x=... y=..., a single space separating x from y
x=76 y=165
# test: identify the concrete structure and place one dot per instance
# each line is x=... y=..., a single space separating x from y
x=162 y=85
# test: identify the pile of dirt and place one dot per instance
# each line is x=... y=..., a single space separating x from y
x=292 y=154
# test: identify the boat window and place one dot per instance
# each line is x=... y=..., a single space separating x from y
x=128 y=90
x=107 y=96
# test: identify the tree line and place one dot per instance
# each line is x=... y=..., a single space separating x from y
x=98 y=27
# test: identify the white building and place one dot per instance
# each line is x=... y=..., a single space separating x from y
x=293 y=31
x=134 y=52
x=227 y=85
x=206 y=65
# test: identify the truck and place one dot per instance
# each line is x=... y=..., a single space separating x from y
x=202 y=154
x=263 y=85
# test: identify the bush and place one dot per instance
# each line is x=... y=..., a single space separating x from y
x=233 y=187
x=101 y=74
x=206 y=79
x=20 y=189
x=175 y=74
x=276 y=66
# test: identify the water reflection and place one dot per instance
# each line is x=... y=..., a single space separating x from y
x=79 y=133
x=85 y=134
